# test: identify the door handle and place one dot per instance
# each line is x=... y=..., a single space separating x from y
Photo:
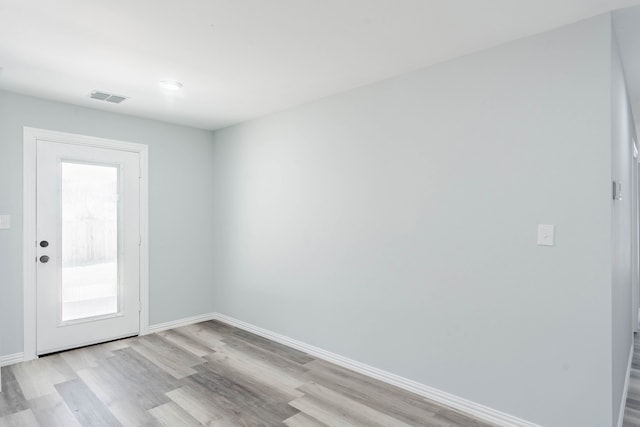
x=44 y=259
x=44 y=244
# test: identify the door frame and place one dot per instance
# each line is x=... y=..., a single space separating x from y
x=31 y=136
x=635 y=243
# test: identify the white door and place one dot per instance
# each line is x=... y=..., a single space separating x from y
x=88 y=253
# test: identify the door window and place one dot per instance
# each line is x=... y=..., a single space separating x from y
x=89 y=202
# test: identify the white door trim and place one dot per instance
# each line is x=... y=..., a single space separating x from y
x=31 y=135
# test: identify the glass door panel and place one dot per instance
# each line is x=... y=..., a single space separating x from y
x=89 y=237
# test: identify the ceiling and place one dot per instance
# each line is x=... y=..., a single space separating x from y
x=240 y=59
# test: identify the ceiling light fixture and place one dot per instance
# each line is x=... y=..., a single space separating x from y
x=170 y=85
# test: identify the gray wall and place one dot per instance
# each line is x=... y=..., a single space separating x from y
x=180 y=206
x=396 y=225
x=622 y=134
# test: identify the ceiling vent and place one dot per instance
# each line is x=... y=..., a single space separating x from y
x=104 y=96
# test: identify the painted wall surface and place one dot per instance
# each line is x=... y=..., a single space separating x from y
x=180 y=205
x=396 y=225
x=622 y=134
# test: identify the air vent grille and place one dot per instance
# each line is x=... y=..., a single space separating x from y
x=109 y=97
x=115 y=99
x=99 y=95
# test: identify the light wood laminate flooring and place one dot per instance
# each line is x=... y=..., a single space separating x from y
x=632 y=409
x=205 y=374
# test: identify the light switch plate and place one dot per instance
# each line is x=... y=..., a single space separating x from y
x=5 y=222
x=546 y=234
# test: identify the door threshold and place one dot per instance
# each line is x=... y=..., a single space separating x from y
x=87 y=346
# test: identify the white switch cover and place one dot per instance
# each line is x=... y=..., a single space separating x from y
x=546 y=234
x=5 y=221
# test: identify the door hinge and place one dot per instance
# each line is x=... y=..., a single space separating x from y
x=140 y=240
x=140 y=173
x=139 y=306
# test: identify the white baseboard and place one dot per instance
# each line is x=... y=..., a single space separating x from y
x=625 y=390
x=444 y=398
x=11 y=359
x=178 y=323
